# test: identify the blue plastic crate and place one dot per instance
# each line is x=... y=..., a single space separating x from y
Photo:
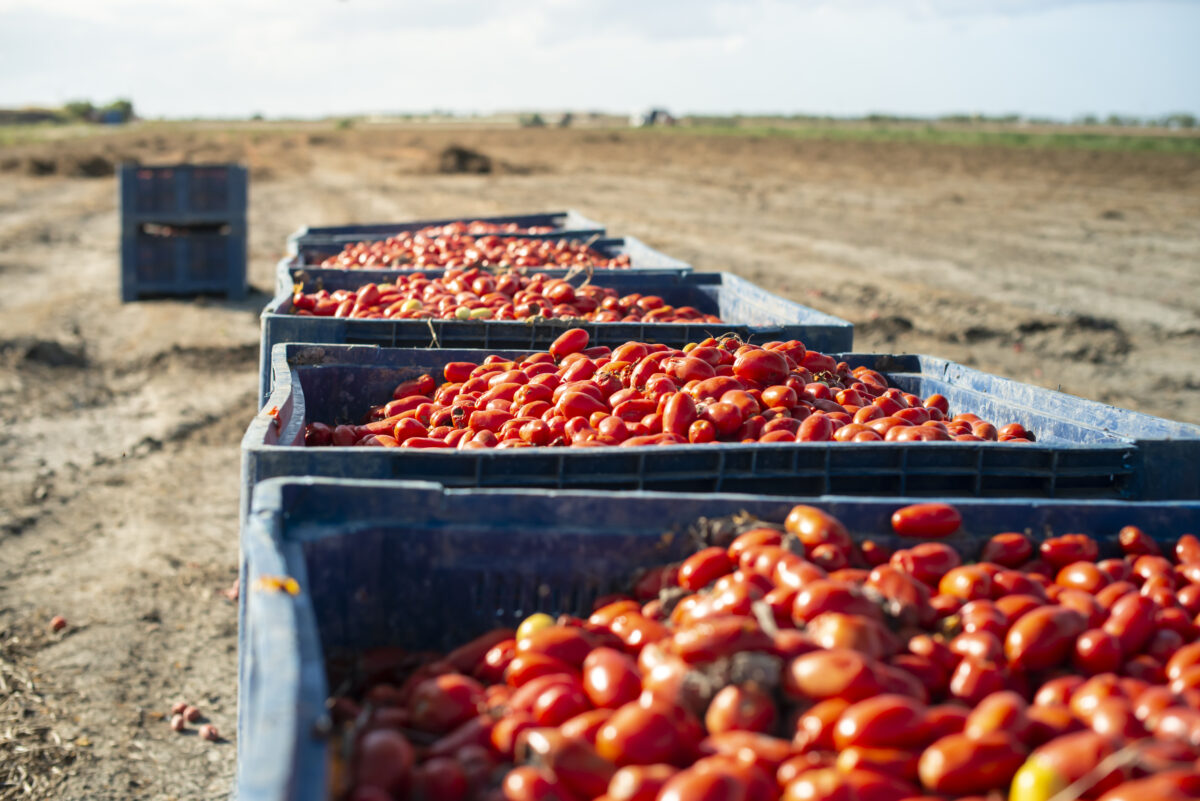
x=1084 y=449
x=567 y=223
x=183 y=194
x=415 y=566
x=750 y=312
x=158 y=261
x=642 y=257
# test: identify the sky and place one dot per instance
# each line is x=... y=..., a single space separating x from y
x=312 y=58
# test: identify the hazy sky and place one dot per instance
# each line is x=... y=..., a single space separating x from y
x=1057 y=58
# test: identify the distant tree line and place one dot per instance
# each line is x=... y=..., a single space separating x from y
x=120 y=110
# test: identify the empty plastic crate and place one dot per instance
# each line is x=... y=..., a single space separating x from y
x=419 y=567
x=163 y=260
x=1084 y=449
x=749 y=312
x=183 y=194
x=567 y=223
x=642 y=257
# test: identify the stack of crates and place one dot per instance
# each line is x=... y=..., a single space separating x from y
x=424 y=549
x=183 y=230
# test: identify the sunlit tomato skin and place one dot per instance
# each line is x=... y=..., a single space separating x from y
x=926 y=520
x=1186 y=657
x=909 y=598
x=704 y=567
x=1063 y=550
x=573 y=762
x=566 y=643
x=762 y=367
x=815 y=727
x=863 y=634
x=969 y=582
x=1097 y=651
x=821 y=784
x=927 y=562
x=957 y=764
x=974 y=680
x=1069 y=758
x=526 y=783
x=528 y=665
x=1043 y=638
x=1174 y=785
x=639 y=782
x=610 y=678
x=885 y=721
x=822 y=596
x=740 y=708
x=831 y=674
x=570 y=341
x=639 y=735
x=945 y=719
x=1004 y=711
x=813 y=527
x=586 y=725
x=1131 y=621
x=718 y=637
x=1009 y=549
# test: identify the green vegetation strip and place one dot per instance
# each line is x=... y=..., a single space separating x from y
x=934 y=135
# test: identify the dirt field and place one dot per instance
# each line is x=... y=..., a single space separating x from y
x=119 y=446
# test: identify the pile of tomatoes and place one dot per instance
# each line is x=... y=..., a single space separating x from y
x=790 y=662
x=478 y=228
x=420 y=251
x=474 y=294
x=650 y=394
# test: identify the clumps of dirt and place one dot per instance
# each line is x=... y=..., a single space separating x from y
x=459 y=160
x=44 y=352
x=71 y=165
x=889 y=328
x=34 y=758
x=1077 y=337
x=214 y=358
x=93 y=166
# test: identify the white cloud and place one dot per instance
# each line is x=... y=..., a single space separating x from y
x=341 y=56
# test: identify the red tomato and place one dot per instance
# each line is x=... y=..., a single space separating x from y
x=958 y=764
x=527 y=783
x=740 y=708
x=704 y=567
x=927 y=520
x=610 y=678
x=384 y=761
x=1004 y=711
x=443 y=702
x=1043 y=638
x=639 y=735
x=831 y=674
x=639 y=782
x=885 y=721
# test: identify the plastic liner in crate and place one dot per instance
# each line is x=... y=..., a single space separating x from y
x=183 y=194
x=641 y=256
x=1084 y=449
x=567 y=223
x=161 y=260
x=750 y=312
x=412 y=565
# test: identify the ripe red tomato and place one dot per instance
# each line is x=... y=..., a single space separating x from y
x=740 y=708
x=927 y=520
